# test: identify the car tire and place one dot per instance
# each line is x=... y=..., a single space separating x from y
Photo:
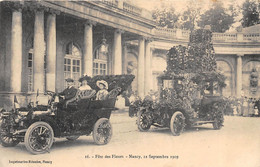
x=143 y=122
x=39 y=138
x=177 y=123
x=102 y=131
x=6 y=139
x=217 y=125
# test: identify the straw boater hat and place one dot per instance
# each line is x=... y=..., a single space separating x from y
x=69 y=80
x=103 y=83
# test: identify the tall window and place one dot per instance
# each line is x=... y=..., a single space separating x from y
x=30 y=59
x=100 y=63
x=30 y=70
x=72 y=63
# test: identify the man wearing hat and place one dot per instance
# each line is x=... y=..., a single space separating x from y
x=70 y=91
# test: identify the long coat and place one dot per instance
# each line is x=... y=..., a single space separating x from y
x=69 y=93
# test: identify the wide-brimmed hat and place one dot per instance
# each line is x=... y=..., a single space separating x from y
x=103 y=83
x=85 y=77
x=69 y=80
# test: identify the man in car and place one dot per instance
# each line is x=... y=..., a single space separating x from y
x=69 y=92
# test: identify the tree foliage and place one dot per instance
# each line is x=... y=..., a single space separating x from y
x=189 y=17
x=251 y=13
x=165 y=17
x=217 y=17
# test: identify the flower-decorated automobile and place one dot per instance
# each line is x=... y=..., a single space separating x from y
x=189 y=91
x=38 y=126
x=182 y=103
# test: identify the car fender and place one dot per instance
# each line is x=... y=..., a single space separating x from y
x=51 y=121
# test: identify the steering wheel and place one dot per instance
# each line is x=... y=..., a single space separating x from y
x=51 y=93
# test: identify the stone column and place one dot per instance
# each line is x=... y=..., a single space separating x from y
x=117 y=52
x=38 y=52
x=16 y=51
x=124 y=59
x=140 y=68
x=88 y=48
x=51 y=53
x=239 y=75
x=148 y=70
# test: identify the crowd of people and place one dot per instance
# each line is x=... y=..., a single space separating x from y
x=244 y=106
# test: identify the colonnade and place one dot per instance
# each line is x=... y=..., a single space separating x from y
x=40 y=74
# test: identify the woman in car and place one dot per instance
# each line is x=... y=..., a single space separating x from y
x=102 y=93
x=84 y=83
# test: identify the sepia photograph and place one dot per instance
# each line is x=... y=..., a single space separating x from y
x=129 y=83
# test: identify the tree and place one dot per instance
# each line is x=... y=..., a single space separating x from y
x=190 y=16
x=165 y=17
x=217 y=17
x=250 y=12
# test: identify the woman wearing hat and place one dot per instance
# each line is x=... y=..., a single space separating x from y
x=84 y=83
x=102 y=93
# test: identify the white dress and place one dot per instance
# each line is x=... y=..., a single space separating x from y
x=85 y=87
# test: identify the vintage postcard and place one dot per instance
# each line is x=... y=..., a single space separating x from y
x=123 y=83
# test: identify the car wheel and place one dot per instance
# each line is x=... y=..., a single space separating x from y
x=143 y=121
x=6 y=138
x=217 y=124
x=177 y=123
x=72 y=138
x=102 y=132
x=39 y=138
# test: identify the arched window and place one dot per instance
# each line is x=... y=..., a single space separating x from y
x=159 y=64
x=225 y=68
x=100 y=62
x=72 y=63
x=248 y=68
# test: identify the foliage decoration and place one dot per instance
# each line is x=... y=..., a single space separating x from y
x=199 y=56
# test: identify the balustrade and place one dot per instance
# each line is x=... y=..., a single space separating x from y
x=111 y=2
x=132 y=9
x=165 y=32
x=251 y=37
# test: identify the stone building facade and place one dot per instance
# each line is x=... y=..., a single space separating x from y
x=44 y=42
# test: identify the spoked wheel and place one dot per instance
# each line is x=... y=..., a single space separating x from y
x=39 y=138
x=72 y=138
x=7 y=140
x=102 y=132
x=177 y=123
x=143 y=121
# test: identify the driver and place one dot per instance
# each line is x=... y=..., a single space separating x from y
x=70 y=91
